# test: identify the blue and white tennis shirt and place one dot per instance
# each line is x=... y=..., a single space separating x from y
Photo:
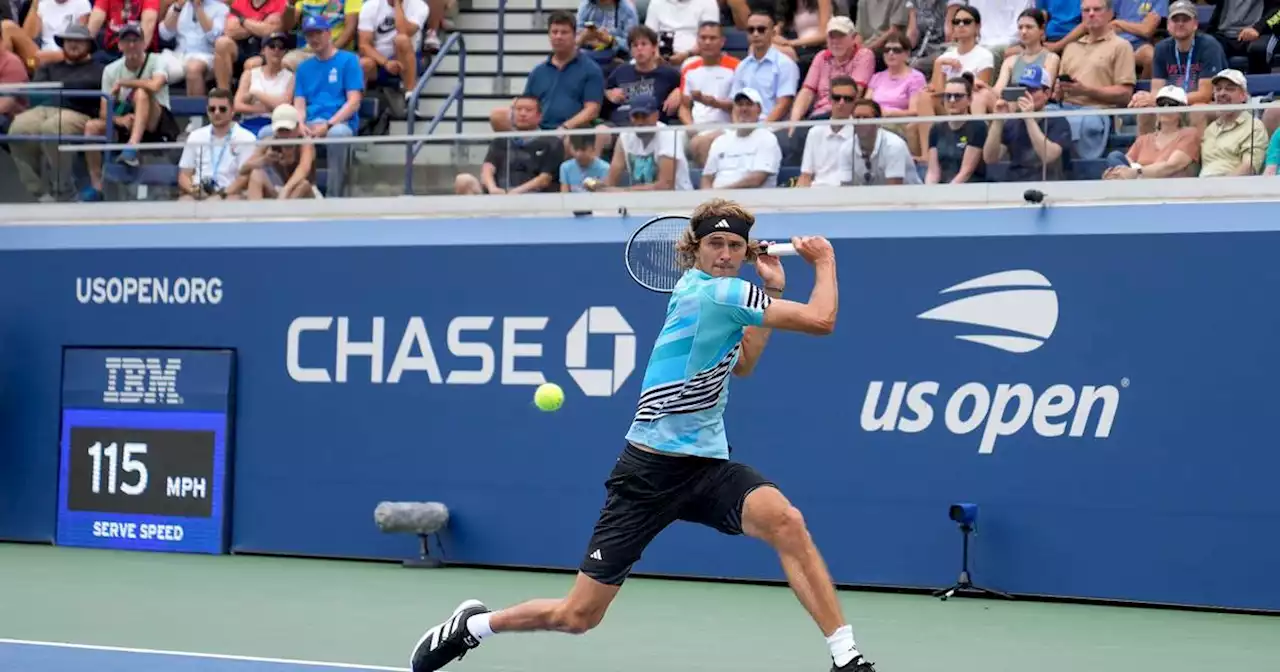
x=686 y=385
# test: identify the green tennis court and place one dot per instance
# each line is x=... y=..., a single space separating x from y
x=224 y=613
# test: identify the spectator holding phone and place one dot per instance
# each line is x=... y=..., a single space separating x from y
x=676 y=23
x=1037 y=149
x=281 y=171
x=1097 y=71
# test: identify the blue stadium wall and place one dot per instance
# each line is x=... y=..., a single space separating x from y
x=1120 y=443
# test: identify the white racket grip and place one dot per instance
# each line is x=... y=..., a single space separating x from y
x=781 y=250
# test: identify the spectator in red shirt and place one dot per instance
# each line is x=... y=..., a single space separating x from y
x=109 y=16
x=12 y=71
x=240 y=46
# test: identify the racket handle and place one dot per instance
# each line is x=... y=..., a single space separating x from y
x=781 y=250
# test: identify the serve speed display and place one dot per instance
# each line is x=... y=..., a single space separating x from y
x=145 y=455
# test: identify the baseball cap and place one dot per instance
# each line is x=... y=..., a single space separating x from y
x=285 y=118
x=643 y=103
x=1174 y=93
x=129 y=29
x=841 y=24
x=1183 y=7
x=314 y=22
x=1034 y=77
x=1232 y=75
x=750 y=94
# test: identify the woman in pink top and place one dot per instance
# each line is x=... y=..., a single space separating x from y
x=1171 y=151
x=898 y=89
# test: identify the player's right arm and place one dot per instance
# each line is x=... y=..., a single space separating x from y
x=818 y=316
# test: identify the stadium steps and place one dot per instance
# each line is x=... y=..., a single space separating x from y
x=525 y=45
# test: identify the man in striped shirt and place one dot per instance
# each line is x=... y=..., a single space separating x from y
x=675 y=464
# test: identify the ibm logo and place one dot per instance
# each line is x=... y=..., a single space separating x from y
x=133 y=380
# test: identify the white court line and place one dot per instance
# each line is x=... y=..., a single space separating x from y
x=190 y=654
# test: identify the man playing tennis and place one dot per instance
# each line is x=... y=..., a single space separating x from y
x=675 y=464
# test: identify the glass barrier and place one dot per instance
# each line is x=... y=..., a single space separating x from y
x=63 y=156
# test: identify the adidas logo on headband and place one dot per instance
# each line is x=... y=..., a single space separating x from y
x=722 y=224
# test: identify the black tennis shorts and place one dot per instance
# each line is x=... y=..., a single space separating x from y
x=646 y=492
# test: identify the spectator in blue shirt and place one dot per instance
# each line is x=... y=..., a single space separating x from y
x=1038 y=149
x=569 y=86
x=765 y=69
x=585 y=164
x=603 y=27
x=1064 y=16
x=1187 y=59
x=649 y=74
x=328 y=92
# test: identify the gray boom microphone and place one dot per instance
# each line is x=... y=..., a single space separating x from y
x=420 y=518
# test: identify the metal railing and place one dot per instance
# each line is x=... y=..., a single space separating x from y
x=500 y=81
x=457 y=95
x=40 y=95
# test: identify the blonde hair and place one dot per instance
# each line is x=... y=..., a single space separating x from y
x=687 y=247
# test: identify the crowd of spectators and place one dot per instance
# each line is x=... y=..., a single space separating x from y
x=629 y=77
x=663 y=64
x=315 y=60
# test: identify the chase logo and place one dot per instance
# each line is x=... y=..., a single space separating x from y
x=1021 y=303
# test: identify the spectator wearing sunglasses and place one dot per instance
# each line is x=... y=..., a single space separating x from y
x=966 y=55
x=828 y=148
x=1037 y=149
x=214 y=154
x=1169 y=151
x=900 y=90
x=265 y=87
x=955 y=147
x=764 y=69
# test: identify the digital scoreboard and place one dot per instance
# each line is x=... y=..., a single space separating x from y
x=145 y=449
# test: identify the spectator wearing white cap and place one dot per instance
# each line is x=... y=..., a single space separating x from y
x=214 y=154
x=194 y=25
x=774 y=76
x=1171 y=150
x=1236 y=142
x=746 y=158
x=281 y=171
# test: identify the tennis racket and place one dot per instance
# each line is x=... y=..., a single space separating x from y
x=651 y=254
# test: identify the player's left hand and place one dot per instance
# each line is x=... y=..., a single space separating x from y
x=770 y=270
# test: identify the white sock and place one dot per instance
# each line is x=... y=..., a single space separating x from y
x=841 y=644
x=478 y=626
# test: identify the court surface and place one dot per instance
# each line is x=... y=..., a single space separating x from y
x=72 y=610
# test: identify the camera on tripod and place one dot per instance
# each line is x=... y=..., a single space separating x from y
x=965 y=515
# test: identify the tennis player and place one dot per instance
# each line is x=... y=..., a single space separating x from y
x=675 y=464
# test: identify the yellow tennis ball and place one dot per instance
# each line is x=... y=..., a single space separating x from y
x=548 y=397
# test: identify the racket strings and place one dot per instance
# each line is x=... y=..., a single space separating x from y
x=652 y=257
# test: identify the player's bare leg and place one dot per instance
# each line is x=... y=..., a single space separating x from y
x=579 y=611
x=769 y=516
x=576 y=613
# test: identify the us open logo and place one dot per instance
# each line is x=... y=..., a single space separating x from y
x=1024 y=302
